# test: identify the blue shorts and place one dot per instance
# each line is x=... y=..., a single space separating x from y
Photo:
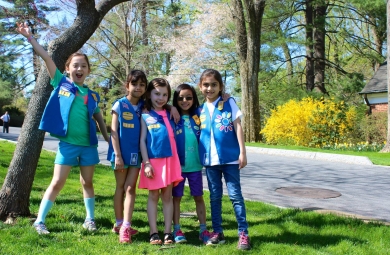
x=76 y=155
x=195 y=181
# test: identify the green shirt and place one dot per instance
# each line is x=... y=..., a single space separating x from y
x=192 y=162
x=78 y=124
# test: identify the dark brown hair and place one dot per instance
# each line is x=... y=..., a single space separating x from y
x=134 y=76
x=214 y=73
x=195 y=101
x=157 y=82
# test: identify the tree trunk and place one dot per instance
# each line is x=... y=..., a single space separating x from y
x=387 y=146
x=319 y=46
x=16 y=189
x=309 y=46
x=248 y=42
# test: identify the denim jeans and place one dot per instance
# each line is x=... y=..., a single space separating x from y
x=231 y=173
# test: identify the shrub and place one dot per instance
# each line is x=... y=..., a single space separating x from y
x=310 y=122
x=374 y=127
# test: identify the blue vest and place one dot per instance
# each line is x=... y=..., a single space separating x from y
x=128 y=131
x=55 y=118
x=180 y=135
x=157 y=139
x=225 y=137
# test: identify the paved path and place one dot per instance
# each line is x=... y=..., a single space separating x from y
x=364 y=187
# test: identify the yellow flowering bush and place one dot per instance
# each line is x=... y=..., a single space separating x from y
x=309 y=122
x=287 y=123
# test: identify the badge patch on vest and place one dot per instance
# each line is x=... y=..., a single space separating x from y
x=224 y=122
x=128 y=125
x=196 y=119
x=151 y=120
x=178 y=132
x=94 y=97
x=64 y=93
x=154 y=126
x=202 y=118
x=127 y=115
x=134 y=159
x=220 y=105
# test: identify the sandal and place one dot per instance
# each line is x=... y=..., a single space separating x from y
x=168 y=238
x=155 y=239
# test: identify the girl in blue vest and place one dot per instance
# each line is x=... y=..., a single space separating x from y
x=222 y=152
x=187 y=139
x=161 y=165
x=70 y=115
x=123 y=151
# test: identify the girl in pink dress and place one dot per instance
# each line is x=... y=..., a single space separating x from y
x=161 y=168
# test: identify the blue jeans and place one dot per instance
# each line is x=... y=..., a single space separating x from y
x=231 y=173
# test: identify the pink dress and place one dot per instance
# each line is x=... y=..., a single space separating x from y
x=166 y=170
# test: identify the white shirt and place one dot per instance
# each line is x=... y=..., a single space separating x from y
x=236 y=113
x=5 y=117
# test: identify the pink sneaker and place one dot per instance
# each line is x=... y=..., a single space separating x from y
x=124 y=235
x=243 y=242
x=116 y=229
x=204 y=236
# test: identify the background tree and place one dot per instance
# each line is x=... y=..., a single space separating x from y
x=248 y=16
x=16 y=189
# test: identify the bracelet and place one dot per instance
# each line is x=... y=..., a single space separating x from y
x=146 y=162
x=30 y=38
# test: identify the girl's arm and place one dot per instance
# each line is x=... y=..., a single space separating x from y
x=242 y=161
x=173 y=112
x=148 y=171
x=115 y=142
x=102 y=127
x=23 y=29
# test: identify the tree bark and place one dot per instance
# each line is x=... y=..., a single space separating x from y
x=309 y=46
x=319 y=46
x=16 y=189
x=248 y=41
x=387 y=146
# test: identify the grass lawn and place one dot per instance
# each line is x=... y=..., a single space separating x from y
x=272 y=230
x=376 y=158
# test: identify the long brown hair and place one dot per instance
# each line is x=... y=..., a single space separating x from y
x=157 y=82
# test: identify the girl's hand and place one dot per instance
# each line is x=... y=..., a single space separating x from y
x=175 y=114
x=23 y=29
x=119 y=165
x=149 y=172
x=225 y=97
x=242 y=161
x=145 y=110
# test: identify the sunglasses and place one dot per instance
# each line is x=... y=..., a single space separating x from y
x=182 y=98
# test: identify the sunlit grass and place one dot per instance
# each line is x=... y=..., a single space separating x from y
x=273 y=230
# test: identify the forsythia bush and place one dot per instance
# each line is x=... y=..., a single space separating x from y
x=309 y=122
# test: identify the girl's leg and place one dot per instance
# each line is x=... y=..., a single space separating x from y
x=166 y=197
x=130 y=188
x=214 y=180
x=86 y=179
x=200 y=209
x=152 y=210
x=120 y=178
x=176 y=210
x=232 y=179
x=60 y=175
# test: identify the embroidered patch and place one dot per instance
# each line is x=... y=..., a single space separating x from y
x=202 y=118
x=224 y=122
x=154 y=126
x=220 y=105
x=127 y=115
x=127 y=125
x=64 y=93
x=134 y=159
x=178 y=132
x=196 y=119
x=125 y=105
x=94 y=97
x=151 y=120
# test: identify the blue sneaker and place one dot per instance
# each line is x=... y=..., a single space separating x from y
x=41 y=228
x=179 y=236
